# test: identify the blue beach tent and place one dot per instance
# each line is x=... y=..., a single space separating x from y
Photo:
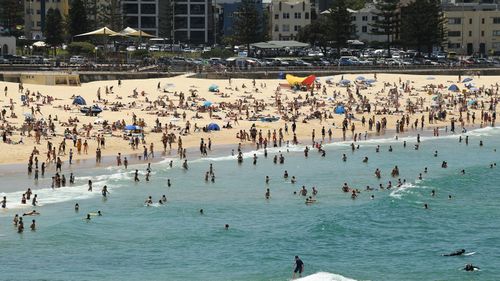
x=339 y=109
x=79 y=100
x=213 y=127
x=453 y=88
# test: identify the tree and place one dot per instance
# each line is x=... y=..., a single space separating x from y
x=11 y=16
x=315 y=34
x=165 y=19
x=110 y=14
x=54 y=34
x=430 y=28
x=247 y=24
x=387 y=22
x=339 y=24
x=78 y=21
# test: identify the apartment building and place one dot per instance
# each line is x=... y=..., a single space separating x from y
x=141 y=14
x=473 y=28
x=288 y=17
x=35 y=12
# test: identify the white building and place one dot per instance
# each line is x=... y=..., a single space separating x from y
x=288 y=17
x=7 y=45
x=363 y=20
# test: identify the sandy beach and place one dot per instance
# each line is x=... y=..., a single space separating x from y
x=390 y=97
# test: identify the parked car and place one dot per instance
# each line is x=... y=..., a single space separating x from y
x=76 y=60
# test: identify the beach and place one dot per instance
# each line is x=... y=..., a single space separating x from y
x=224 y=106
x=222 y=226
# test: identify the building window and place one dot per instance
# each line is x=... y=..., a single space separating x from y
x=297 y=15
x=353 y=18
x=286 y=28
x=306 y=16
x=454 y=21
x=496 y=45
x=482 y=20
x=482 y=33
x=364 y=29
x=453 y=33
x=496 y=32
x=470 y=33
x=364 y=18
x=276 y=28
x=296 y=28
x=470 y=21
x=496 y=20
x=374 y=18
x=276 y=16
x=286 y=15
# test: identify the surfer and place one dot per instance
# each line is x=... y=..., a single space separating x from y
x=456 y=253
x=32 y=213
x=299 y=267
x=470 y=267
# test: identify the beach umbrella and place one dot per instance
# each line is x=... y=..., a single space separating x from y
x=345 y=81
x=28 y=115
x=339 y=109
x=467 y=80
x=370 y=81
x=101 y=31
x=453 y=88
x=360 y=78
x=79 y=100
x=213 y=127
x=207 y=103
x=430 y=78
x=213 y=88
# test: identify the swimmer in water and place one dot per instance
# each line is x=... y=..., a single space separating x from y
x=104 y=191
x=456 y=253
x=77 y=207
x=268 y=194
x=201 y=211
x=293 y=180
x=226 y=227
x=285 y=175
x=149 y=201
x=365 y=160
x=310 y=200
x=164 y=199
x=88 y=218
x=436 y=153
x=32 y=213
x=344 y=157
x=470 y=267
x=267 y=179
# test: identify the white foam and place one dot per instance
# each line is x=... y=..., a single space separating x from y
x=325 y=276
x=249 y=154
x=398 y=192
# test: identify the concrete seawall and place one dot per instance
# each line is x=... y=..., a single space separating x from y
x=88 y=76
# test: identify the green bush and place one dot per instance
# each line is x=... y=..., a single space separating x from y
x=81 y=49
x=139 y=54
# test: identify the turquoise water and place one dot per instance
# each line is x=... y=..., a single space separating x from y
x=391 y=237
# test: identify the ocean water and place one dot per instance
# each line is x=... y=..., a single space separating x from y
x=390 y=237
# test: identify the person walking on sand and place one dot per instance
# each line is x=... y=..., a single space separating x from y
x=299 y=267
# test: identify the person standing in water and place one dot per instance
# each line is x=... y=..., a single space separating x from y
x=299 y=267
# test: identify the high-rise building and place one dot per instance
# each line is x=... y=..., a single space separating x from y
x=141 y=14
x=35 y=12
x=288 y=17
x=193 y=21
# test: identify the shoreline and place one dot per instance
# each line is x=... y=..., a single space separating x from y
x=108 y=162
